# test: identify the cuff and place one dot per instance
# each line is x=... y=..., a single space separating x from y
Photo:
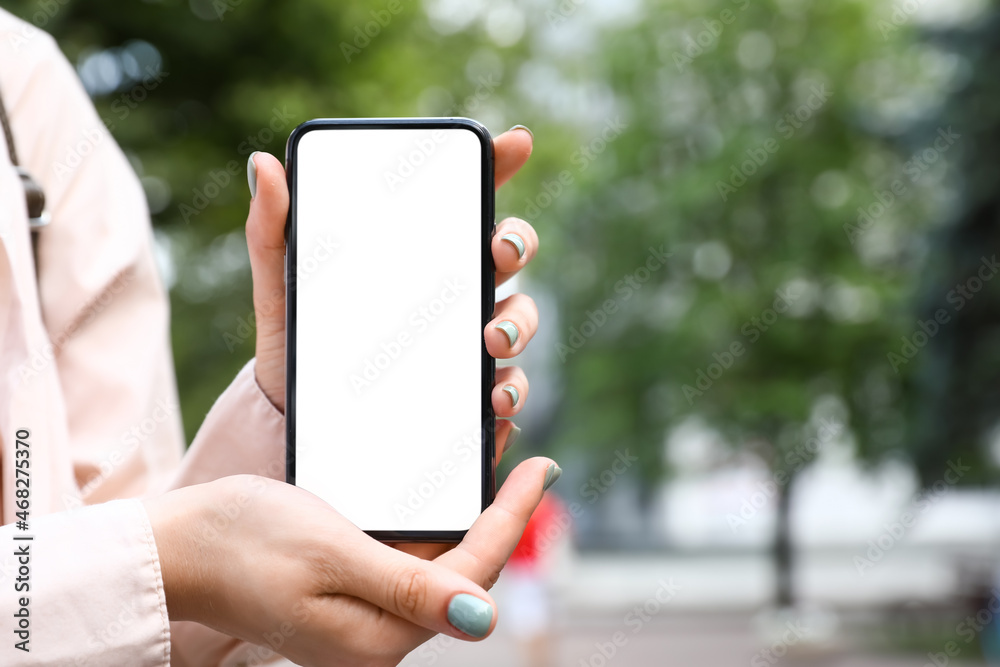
x=92 y=583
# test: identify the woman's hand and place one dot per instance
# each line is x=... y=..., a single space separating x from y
x=283 y=560
x=274 y=565
x=514 y=245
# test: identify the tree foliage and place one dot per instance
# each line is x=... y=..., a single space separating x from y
x=713 y=183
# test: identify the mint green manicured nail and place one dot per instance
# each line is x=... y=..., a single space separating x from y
x=470 y=614
x=514 y=396
x=515 y=433
x=510 y=329
x=551 y=475
x=252 y=175
x=522 y=127
x=515 y=241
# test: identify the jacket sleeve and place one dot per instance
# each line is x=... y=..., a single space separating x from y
x=103 y=305
x=106 y=309
x=83 y=587
x=105 y=312
x=243 y=433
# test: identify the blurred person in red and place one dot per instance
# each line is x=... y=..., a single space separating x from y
x=527 y=586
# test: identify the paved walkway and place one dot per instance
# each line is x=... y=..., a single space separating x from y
x=711 y=619
x=667 y=642
x=679 y=641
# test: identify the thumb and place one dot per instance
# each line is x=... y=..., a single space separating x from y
x=266 y=244
x=419 y=591
x=489 y=543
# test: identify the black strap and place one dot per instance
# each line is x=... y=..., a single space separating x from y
x=34 y=197
x=8 y=135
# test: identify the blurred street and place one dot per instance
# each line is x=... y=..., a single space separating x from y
x=690 y=619
x=673 y=641
x=706 y=611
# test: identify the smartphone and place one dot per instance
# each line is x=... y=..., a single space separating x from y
x=390 y=282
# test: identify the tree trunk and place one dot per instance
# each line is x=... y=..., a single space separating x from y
x=783 y=556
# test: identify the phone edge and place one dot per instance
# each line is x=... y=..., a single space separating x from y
x=488 y=299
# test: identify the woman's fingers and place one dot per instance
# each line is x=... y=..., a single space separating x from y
x=507 y=434
x=510 y=151
x=513 y=325
x=514 y=245
x=265 y=240
x=422 y=592
x=489 y=543
x=510 y=391
x=266 y=243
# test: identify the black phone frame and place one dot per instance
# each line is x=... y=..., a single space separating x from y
x=488 y=282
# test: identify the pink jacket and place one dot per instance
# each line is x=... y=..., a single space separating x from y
x=86 y=374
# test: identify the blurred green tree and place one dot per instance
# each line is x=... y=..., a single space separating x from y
x=713 y=183
x=956 y=408
x=759 y=148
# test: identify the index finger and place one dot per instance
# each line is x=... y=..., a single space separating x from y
x=511 y=150
x=492 y=538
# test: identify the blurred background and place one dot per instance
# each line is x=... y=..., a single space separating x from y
x=769 y=357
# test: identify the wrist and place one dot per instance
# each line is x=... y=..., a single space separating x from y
x=182 y=532
x=269 y=374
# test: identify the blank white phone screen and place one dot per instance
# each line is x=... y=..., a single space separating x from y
x=388 y=363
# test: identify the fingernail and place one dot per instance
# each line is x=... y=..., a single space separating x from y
x=512 y=391
x=515 y=433
x=470 y=614
x=510 y=329
x=551 y=475
x=252 y=175
x=515 y=241
x=522 y=127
